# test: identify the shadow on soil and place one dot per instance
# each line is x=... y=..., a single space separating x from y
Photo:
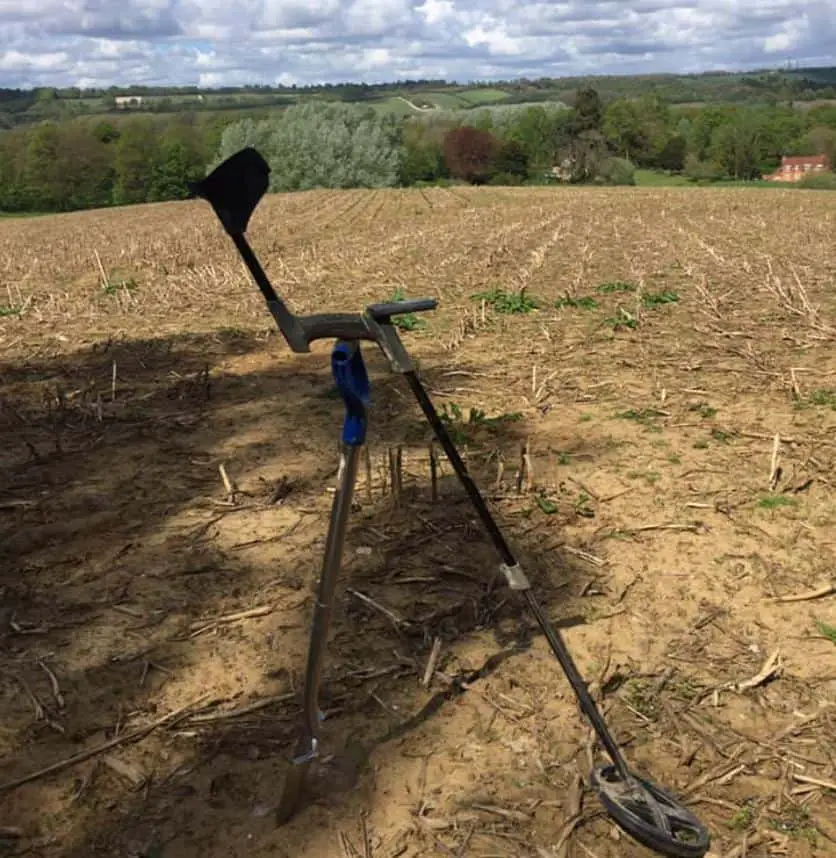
x=115 y=556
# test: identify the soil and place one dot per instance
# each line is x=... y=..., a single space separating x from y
x=656 y=439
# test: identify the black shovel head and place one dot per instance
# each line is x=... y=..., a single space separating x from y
x=234 y=188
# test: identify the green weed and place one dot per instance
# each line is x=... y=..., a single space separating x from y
x=721 y=436
x=622 y=319
x=645 y=416
x=616 y=286
x=705 y=410
x=743 y=818
x=407 y=321
x=547 y=506
x=777 y=502
x=460 y=426
x=582 y=507
x=586 y=302
x=642 y=696
x=114 y=286
x=659 y=299
x=826 y=631
x=509 y=303
x=795 y=821
x=823 y=398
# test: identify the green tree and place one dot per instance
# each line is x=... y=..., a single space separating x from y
x=616 y=171
x=588 y=112
x=637 y=129
x=423 y=159
x=41 y=174
x=672 y=156
x=136 y=152
x=819 y=140
x=780 y=129
x=12 y=159
x=178 y=160
x=511 y=160
x=105 y=132
x=705 y=124
x=701 y=171
x=542 y=132
x=323 y=145
x=84 y=170
x=737 y=147
x=622 y=128
x=823 y=114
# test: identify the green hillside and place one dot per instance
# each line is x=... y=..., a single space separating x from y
x=802 y=87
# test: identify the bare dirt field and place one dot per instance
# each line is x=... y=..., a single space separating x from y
x=676 y=390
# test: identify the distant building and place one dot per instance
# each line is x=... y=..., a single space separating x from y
x=128 y=100
x=795 y=168
x=562 y=171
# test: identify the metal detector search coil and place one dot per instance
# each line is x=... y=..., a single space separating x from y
x=652 y=816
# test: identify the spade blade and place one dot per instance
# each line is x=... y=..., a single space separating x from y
x=234 y=188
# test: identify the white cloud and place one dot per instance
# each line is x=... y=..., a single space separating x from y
x=785 y=39
x=213 y=42
x=436 y=11
x=495 y=38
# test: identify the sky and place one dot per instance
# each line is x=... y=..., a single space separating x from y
x=211 y=43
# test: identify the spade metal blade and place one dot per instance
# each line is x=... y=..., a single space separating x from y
x=234 y=188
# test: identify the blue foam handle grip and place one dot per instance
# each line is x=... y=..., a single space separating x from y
x=352 y=380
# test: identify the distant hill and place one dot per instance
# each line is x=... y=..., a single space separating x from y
x=802 y=86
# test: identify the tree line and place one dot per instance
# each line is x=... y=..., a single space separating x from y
x=348 y=145
x=62 y=166
x=82 y=164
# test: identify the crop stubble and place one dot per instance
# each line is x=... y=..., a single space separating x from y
x=136 y=580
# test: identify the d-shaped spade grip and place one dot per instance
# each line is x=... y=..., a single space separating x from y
x=352 y=380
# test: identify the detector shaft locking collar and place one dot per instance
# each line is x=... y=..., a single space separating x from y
x=352 y=380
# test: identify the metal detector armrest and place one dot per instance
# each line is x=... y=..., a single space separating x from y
x=301 y=331
x=384 y=312
x=338 y=326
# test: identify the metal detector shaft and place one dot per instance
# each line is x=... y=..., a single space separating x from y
x=516 y=577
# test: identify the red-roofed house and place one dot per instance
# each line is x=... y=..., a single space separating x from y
x=793 y=169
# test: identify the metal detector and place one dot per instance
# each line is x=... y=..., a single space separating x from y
x=649 y=814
